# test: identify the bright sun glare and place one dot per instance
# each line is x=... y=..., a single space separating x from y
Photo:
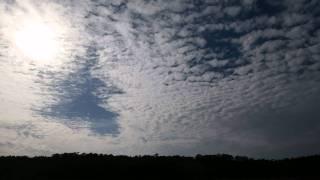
x=37 y=41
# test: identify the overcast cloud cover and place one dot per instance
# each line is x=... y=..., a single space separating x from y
x=169 y=77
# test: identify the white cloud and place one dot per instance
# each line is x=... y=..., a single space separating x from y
x=192 y=82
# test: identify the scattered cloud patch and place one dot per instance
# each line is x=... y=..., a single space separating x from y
x=180 y=77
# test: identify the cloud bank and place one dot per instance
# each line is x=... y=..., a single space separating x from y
x=181 y=77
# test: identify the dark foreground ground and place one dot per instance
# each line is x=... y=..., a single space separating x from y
x=95 y=166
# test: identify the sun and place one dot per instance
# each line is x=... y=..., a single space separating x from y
x=37 y=41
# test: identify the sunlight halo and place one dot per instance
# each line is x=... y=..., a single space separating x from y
x=37 y=40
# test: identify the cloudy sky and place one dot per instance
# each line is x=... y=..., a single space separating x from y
x=159 y=76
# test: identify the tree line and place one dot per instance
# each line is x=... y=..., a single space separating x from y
x=102 y=166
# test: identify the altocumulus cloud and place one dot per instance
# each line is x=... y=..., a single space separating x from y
x=168 y=77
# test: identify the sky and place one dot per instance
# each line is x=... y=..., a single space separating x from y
x=181 y=77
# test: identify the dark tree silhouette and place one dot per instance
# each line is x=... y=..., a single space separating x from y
x=99 y=166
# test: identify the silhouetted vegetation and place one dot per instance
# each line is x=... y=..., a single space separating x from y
x=98 y=166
